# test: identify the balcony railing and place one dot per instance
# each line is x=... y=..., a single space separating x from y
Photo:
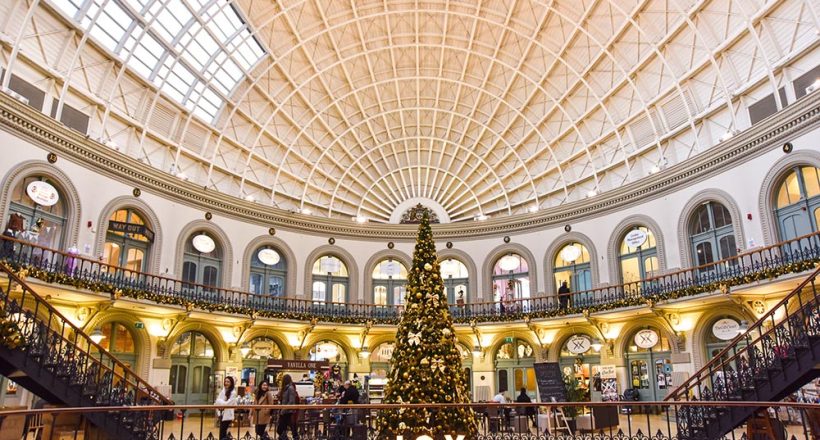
x=536 y=421
x=54 y=266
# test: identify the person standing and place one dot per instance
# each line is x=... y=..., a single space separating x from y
x=261 y=417
x=349 y=394
x=563 y=295
x=287 y=419
x=227 y=397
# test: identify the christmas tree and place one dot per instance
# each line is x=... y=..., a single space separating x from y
x=426 y=364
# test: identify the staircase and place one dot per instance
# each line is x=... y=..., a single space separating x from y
x=45 y=353
x=776 y=356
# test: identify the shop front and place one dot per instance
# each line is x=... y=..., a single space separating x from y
x=649 y=363
x=514 y=369
x=581 y=360
x=255 y=356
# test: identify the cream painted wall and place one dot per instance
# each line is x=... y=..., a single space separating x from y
x=742 y=183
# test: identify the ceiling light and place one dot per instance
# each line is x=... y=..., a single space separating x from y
x=359 y=219
x=250 y=198
x=533 y=208
x=305 y=211
x=364 y=353
x=592 y=193
x=596 y=344
x=112 y=145
x=481 y=217
x=814 y=86
x=476 y=350
x=654 y=169
x=182 y=176
x=97 y=336
x=728 y=135
x=509 y=263
x=245 y=350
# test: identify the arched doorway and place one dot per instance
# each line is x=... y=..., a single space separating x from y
x=579 y=359
x=389 y=283
x=192 y=370
x=38 y=212
x=119 y=341
x=797 y=202
x=255 y=355
x=649 y=362
x=128 y=240
x=333 y=353
x=719 y=333
x=514 y=369
x=330 y=280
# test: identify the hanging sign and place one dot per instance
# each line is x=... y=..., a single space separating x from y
x=578 y=344
x=268 y=256
x=390 y=268
x=131 y=228
x=297 y=365
x=42 y=193
x=726 y=329
x=635 y=238
x=203 y=243
x=646 y=338
x=570 y=253
x=331 y=265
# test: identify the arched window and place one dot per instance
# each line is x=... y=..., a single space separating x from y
x=638 y=256
x=268 y=272
x=798 y=203
x=456 y=279
x=572 y=266
x=514 y=362
x=202 y=261
x=711 y=234
x=511 y=278
x=330 y=280
x=128 y=240
x=37 y=212
x=389 y=281
x=380 y=359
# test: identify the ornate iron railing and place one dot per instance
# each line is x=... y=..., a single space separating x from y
x=50 y=265
x=773 y=357
x=537 y=421
x=49 y=341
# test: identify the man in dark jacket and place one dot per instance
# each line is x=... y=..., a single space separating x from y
x=529 y=410
x=350 y=394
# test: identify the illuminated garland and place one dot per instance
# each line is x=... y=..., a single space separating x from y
x=25 y=270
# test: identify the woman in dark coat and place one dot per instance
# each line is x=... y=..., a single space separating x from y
x=287 y=396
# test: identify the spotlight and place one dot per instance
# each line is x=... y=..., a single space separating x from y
x=788 y=147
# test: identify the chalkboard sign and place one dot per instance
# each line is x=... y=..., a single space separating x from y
x=550 y=381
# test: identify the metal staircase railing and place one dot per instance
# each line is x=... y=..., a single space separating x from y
x=60 y=362
x=51 y=265
x=776 y=355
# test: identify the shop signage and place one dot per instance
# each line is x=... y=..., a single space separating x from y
x=607 y=371
x=390 y=268
x=508 y=340
x=578 y=344
x=139 y=325
x=268 y=256
x=42 y=193
x=726 y=329
x=635 y=238
x=646 y=338
x=262 y=348
x=570 y=253
x=386 y=351
x=297 y=365
x=203 y=243
x=131 y=228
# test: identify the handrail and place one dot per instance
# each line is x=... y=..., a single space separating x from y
x=720 y=361
x=730 y=271
x=139 y=384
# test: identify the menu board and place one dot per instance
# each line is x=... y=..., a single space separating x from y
x=550 y=382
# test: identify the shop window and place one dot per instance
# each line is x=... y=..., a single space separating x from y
x=128 y=240
x=511 y=281
x=42 y=219
x=389 y=279
x=456 y=280
x=268 y=272
x=797 y=201
x=202 y=262
x=330 y=280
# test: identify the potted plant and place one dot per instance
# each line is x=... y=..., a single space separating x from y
x=575 y=393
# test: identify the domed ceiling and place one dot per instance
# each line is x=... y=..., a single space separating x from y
x=359 y=109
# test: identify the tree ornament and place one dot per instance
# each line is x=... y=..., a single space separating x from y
x=428 y=266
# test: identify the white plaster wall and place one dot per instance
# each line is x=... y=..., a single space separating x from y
x=742 y=183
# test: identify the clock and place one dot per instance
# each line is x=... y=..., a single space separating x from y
x=646 y=338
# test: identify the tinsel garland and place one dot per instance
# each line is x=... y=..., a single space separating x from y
x=24 y=270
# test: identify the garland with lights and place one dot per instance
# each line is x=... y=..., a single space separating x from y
x=116 y=292
x=426 y=364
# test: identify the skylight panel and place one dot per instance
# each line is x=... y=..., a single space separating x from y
x=196 y=51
